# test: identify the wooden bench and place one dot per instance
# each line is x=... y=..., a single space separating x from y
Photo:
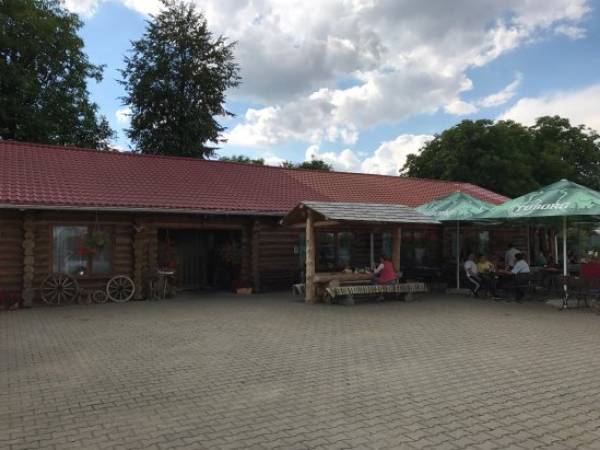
x=348 y=292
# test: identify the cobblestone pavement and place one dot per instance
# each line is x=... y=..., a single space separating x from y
x=270 y=372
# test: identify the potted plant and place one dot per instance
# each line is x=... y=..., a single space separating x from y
x=241 y=288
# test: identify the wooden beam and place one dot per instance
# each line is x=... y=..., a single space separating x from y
x=371 y=249
x=140 y=244
x=28 y=259
x=255 y=258
x=317 y=224
x=396 y=247
x=311 y=256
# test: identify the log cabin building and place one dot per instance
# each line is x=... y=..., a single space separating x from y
x=93 y=214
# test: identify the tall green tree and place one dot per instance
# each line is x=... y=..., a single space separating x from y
x=243 y=159
x=510 y=158
x=313 y=164
x=43 y=77
x=175 y=82
x=565 y=151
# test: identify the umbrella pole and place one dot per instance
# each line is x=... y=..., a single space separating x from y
x=564 y=251
x=457 y=254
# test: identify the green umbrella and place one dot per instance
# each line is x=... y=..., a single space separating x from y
x=455 y=207
x=561 y=199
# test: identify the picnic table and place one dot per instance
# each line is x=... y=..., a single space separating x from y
x=324 y=280
x=342 y=277
x=331 y=285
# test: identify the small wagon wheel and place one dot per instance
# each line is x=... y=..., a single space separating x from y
x=99 y=296
x=120 y=289
x=59 y=288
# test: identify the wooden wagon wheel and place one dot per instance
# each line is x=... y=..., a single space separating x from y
x=58 y=288
x=120 y=289
x=99 y=296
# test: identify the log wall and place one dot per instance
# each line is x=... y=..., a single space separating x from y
x=278 y=264
x=270 y=258
x=11 y=251
x=121 y=226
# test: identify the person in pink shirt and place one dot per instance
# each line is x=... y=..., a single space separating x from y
x=385 y=273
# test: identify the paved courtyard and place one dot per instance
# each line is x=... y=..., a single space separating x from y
x=270 y=372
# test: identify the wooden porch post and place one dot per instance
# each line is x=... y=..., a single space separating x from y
x=396 y=244
x=246 y=255
x=28 y=259
x=310 y=259
x=152 y=236
x=139 y=257
x=255 y=258
x=372 y=249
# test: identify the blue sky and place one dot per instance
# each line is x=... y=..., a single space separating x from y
x=361 y=84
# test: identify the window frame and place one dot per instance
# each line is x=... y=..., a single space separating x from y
x=90 y=226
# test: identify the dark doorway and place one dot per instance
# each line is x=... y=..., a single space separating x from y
x=202 y=259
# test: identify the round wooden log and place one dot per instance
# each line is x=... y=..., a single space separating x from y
x=27 y=295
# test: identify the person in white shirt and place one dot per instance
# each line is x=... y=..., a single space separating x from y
x=472 y=273
x=520 y=265
x=510 y=256
x=520 y=268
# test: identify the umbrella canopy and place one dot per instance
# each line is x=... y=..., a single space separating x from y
x=453 y=207
x=561 y=199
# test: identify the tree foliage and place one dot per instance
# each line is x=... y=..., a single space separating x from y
x=509 y=158
x=175 y=83
x=314 y=164
x=43 y=76
x=243 y=159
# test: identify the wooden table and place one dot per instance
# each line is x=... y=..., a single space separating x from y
x=324 y=280
x=342 y=277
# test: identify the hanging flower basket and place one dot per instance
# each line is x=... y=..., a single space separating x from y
x=93 y=242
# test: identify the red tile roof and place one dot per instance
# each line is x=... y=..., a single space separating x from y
x=50 y=176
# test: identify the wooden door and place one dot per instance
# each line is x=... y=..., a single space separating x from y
x=191 y=246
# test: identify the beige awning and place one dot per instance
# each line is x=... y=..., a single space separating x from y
x=356 y=212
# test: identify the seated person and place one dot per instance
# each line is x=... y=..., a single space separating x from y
x=487 y=272
x=520 y=267
x=472 y=273
x=510 y=256
x=484 y=265
x=541 y=260
x=385 y=272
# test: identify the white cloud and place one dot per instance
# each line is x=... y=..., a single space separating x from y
x=273 y=160
x=123 y=115
x=86 y=8
x=388 y=159
x=144 y=6
x=501 y=97
x=571 y=31
x=332 y=115
x=459 y=107
x=580 y=106
x=405 y=58
x=345 y=161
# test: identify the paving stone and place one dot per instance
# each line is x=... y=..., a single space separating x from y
x=268 y=372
